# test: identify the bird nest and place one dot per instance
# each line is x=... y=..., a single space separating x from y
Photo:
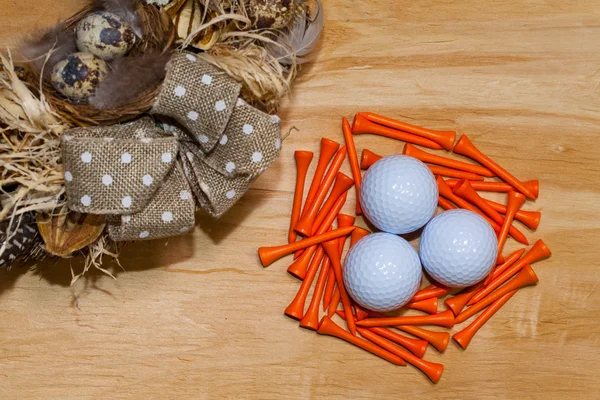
x=158 y=38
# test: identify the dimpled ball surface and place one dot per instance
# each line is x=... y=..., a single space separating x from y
x=458 y=248
x=398 y=194
x=382 y=272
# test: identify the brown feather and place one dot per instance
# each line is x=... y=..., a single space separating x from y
x=57 y=40
x=130 y=77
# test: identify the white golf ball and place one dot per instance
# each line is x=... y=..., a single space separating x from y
x=458 y=248
x=382 y=272
x=398 y=194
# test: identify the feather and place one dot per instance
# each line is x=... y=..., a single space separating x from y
x=57 y=40
x=127 y=10
x=130 y=77
x=300 y=39
x=16 y=238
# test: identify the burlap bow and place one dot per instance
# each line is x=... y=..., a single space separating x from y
x=142 y=175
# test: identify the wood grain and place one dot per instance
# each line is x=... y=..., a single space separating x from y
x=197 y=317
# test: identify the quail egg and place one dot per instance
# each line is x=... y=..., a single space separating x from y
x=159 y=2
x=105 y=35
x=78 y=75
x=271 y=14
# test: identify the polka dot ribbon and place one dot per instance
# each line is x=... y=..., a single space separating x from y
x=145 y=176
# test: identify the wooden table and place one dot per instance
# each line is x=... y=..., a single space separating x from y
x=197 y=317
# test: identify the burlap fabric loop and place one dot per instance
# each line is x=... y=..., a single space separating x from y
x=199 y=97
x=142 y=177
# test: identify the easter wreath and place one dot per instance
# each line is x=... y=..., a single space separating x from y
x=120 y=122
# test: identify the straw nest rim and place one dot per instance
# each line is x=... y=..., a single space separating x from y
x=159 y=35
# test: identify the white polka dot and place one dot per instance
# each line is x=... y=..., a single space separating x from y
x=248 y=129
x=166 y=157
x=86 y=157
x=146 y=140
x=220 y=105
x=68 y=176
x=190 y=156
x=203 y=139
x=86 y=200
x=230 y=195
x=206 y=79
x=179 y=91
x=107 y=180
x=125 y=158
x=125 y=219
x=126 y=202
x=185 y=195
x=108 y=139
x=204 y=187
x=223 y=140
x=190 y=57
x=275 y=119
x=277 y=144
x=167 y=217
x=147 y=179
x=66 y=138
x=193 y=115
x=187 y=171
x=240 y=103
x=257 y=156
x=144 y=235
x=185 y=229
x=230 y=167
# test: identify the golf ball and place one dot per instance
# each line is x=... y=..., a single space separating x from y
x=458 y=248
x=398 y=194
x=382 y=272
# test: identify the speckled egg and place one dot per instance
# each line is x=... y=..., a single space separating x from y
x=105 y=35
x=271 y=14
x=78 y=75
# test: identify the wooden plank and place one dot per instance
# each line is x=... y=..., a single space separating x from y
x=198 y=317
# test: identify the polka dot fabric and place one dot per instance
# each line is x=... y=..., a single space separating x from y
x=131 y=178
x=165 y=216
x=199 y=97
x=109 y=177
x=250 y=145
x=147 y=178
x=215 y=192
x=223 y=176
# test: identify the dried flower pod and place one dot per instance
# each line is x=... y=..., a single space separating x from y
x=69 y=231
x=16 y=238
x=187 y=16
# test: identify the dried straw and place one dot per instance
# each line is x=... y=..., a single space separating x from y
x=31 y=177
x=264 y=81
x=94 y=257
x=242 y=54
x=29 y=147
